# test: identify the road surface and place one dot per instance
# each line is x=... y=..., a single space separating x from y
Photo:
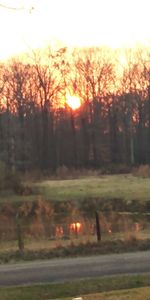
x=60 y=270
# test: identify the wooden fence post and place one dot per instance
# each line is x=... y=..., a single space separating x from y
x=19 y=231
x=98 y=227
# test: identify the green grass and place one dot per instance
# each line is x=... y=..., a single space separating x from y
x=119 y=287
x=126 y=187
x=17 y=199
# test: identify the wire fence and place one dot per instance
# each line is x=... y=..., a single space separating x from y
x=79 y=227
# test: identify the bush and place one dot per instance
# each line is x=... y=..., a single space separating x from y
x=142 y=171
x=62 y=172
x=9 y=180
x=115 y=169
x=3 y=172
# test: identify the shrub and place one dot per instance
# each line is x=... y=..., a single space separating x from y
x=2 y=175
x=9 y=180
x=131 y=238
x=115 y=169
x=62 y=172
x=142 y=171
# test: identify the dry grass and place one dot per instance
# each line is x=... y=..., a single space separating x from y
x=130 y=294
x=39 y=244
x=73 y=249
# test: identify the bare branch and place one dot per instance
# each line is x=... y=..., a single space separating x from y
x=16 y=8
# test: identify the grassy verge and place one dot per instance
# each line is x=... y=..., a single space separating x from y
x=81 y=288
x=104 y=247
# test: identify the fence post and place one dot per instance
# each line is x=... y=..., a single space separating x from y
x=98 y=227
x=19 y=234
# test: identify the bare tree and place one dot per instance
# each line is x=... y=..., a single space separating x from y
x=49 y=85
x=97 y=72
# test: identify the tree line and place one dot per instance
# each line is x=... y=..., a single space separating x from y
x=38 y=130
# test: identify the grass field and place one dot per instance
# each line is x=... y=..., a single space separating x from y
x=126 y=187
x=122 y=288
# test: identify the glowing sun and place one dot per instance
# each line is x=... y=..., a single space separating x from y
x=74 y=102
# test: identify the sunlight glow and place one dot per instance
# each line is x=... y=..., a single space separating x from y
x=72 y=23
x=73 y=102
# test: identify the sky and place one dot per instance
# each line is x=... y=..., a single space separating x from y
x=72 y=23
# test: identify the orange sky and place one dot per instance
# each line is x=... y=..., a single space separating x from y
x=114 y=23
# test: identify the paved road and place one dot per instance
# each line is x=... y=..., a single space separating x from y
x=60 y=270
